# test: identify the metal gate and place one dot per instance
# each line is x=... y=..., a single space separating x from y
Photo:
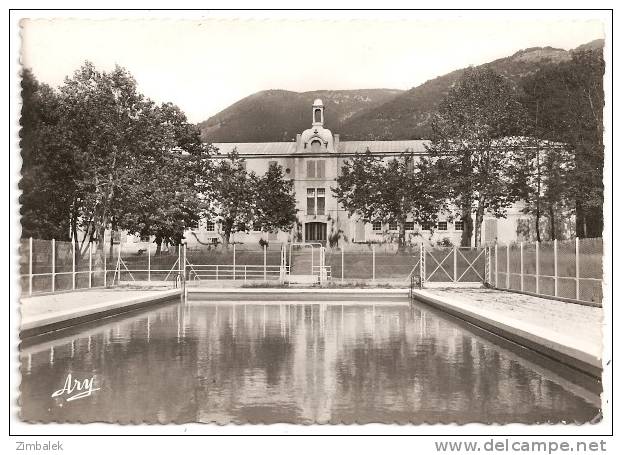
x=452 y=265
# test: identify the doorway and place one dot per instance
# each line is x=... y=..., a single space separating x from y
x=315 y=232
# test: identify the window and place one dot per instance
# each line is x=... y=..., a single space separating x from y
x=393 y=226
x=316 y=169
x=320 y=169
x=317 y=116
x=310 y=201
x=426 y=226
x=311 y=169
x=376 y=226
x=209 y=226
x=458 y=225
x=316 y=201
x=442 y=225
x=316 y=146
x=321 y=201
x=256 y=226
x=409 y=226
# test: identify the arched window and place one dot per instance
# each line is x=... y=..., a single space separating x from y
x=317 y=116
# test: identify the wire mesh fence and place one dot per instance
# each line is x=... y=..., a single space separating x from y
x=569 y=269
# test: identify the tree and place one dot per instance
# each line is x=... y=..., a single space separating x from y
x=565 y=105
x=275 y=201
x=231 y=193
x=475 y=135
x=49 y=170
x=167 y=202
x=390 y=192
x=102 y=156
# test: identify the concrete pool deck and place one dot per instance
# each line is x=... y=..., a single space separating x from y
x=50 y=312
x=566 y=332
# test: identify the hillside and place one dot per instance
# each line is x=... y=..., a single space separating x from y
x=277 y=115
x=380 y=114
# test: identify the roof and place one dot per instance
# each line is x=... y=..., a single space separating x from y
x=257 y=148
x=345 y=147
x=351 y=147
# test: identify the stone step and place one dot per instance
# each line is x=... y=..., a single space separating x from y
x=303 y=279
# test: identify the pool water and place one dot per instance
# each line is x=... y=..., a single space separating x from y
x=298 y=363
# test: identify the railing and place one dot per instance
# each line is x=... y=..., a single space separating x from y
x=233 y=272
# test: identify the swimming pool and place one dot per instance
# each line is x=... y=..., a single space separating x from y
x=297 y=362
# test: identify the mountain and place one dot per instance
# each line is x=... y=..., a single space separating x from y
x=408 y=115
x=378 y=114
x=277 y=115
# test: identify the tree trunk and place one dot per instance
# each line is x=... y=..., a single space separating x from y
x=227 y=227
x=158 y=242
x=467 y=226
x=579 y=220
x=401 y=237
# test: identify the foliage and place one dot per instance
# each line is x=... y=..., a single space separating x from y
x=475 y=135
x=240 y=199
x=390 y=192
x=110 y=158
x=275 y=208
x=565 y=104
x=49 y=170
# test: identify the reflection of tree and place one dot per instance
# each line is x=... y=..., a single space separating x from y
x=294 y=363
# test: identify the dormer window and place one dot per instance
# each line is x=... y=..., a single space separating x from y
x=317 y=116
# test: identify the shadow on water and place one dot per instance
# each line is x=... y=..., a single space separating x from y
x=300 y=363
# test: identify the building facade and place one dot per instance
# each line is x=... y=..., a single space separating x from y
x=313 y=162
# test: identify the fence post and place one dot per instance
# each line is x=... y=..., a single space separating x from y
x=186 y=275
x=537 y=267
x=265 y=275
x=216 y=272
x=53 y=265
x=90 y=265
x=421 y=263
x=555 y=260
x=489 y=265
x=507 y=266
x=455 y=263
x=373 y=262
x=342 y=264
x=104 y=251
x=576 y=252
x=522 y=274
x=496 y=265
x=149 y=261
x=73 y=263
x=30 y=266
x=234 y=262
x=118 y=263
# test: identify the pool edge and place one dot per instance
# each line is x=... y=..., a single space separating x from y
x=580 y=360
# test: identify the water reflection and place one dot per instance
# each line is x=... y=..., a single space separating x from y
x=288 y=362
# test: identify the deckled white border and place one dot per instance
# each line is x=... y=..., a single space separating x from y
x=302 y=447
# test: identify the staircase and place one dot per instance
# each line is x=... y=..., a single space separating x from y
x=301 y=266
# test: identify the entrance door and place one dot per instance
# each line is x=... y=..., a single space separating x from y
x=315 y=232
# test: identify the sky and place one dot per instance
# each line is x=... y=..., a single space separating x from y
x=205 y=65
